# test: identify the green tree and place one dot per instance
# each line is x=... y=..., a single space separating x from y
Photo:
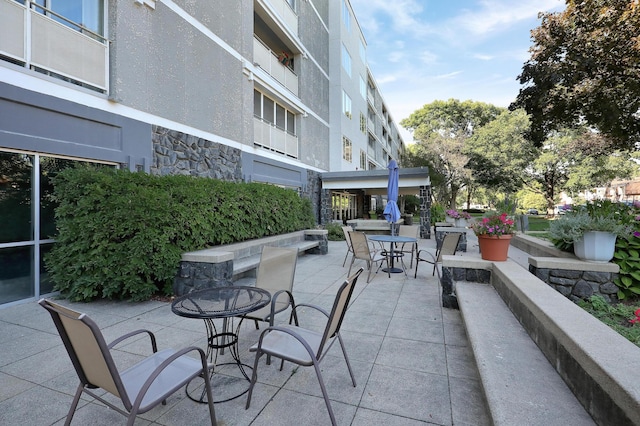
x=584 y=68
x=441 y=130
x=499 y=153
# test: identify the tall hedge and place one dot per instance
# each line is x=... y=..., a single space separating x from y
x=121 y=234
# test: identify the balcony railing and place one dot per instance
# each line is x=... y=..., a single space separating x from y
x=38 y=41
x=268 y=61
x=267 y=135
x=288 y=15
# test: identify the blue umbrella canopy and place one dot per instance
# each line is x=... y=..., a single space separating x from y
x=391 y=211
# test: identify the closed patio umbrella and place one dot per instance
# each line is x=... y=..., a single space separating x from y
x=391 y=211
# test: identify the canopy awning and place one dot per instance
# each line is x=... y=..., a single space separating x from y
x=374 y=182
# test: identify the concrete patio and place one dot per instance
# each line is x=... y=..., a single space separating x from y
x=411 y=358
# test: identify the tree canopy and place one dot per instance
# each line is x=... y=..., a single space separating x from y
x=440 y=130
x=585 y=68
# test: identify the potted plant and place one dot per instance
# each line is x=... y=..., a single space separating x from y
x=450 y=216
x=462 y=221
x=494 y=232
x=591 y=231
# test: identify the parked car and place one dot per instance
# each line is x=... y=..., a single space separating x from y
x=532 y=211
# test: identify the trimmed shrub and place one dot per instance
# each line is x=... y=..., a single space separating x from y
x=121 y=234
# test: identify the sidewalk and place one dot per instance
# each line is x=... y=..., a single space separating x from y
x=411 y=358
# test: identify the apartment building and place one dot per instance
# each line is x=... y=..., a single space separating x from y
x=241 y=91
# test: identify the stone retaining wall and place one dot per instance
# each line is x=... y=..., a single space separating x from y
x=576 y=279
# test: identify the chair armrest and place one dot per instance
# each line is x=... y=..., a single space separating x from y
x=426 y=252
x=134 y=333
x=274 y=300
x=317 y=308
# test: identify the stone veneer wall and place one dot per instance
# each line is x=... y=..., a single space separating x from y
x=450 y=275
x=579 y=284
x=180 y=153
x=425 y=212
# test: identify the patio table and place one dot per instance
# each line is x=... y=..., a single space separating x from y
x=392 y=239
x=226 y=303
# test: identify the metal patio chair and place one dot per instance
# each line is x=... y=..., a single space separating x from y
x=448 y=247
x=346 y=230
x=276 y=273
x=306 y=347
x=412 y=231
x=362 y=250
x=140 y=387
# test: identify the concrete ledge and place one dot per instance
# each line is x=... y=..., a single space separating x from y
x=573 y=264
x=598 y=364
x=520 y=385
x=537 y=247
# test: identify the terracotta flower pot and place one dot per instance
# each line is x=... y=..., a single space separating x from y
x=493 y=247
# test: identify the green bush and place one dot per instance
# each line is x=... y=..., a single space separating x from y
x=437 y=213
x=627 y=257
x=334 y=232
x=121 y=234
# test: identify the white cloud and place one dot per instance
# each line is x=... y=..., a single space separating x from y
x=428 y=57
x=498 y=15
x=483 y=57
x=448 y=76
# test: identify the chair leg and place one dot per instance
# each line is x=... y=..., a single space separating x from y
x=74 y=405
x=254 y=378
x=345 y=258
x=351 y=266
x=346 y=358
x=324 y=393
x=207 y=384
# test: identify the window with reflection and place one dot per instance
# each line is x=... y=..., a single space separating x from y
x=16 y=172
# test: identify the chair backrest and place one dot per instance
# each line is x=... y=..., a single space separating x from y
x=360 y=245
x=412 y=231
x=339 y=309
x=87 y=349
x=346 y=230
x=449 y=244
x=277 y=269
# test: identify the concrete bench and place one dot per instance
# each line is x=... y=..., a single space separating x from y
x=597 y=364
x=520 y=385
x=223 y=265
x=372 y=226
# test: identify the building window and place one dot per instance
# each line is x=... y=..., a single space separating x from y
x=292 y=4
x=272 y=112
x=363 y=123
x=88 y=13
x=363 y=52
x=363 y=88
x=346 y=104
x=27 y=215
x=346 y=149
x=346 y=16
x=363 y=160
x=346 y=60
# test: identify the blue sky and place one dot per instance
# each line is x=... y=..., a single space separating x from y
x=425 y=50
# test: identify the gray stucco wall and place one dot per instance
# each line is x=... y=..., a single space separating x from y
x=161 y=64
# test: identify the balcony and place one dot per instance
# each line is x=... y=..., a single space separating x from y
x=38 y=41
x=287 y=15
x=267 y=135
x=268 y=61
